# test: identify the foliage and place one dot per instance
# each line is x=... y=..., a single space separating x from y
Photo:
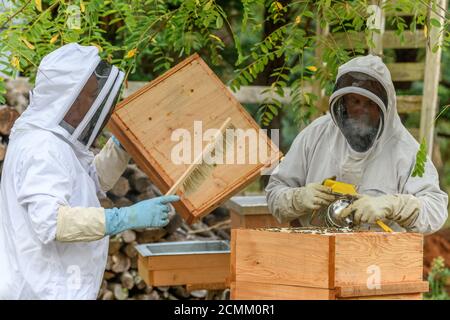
x=297 y=41
x=125 y=31
x=421 y=159
x=421 y=156
x=437 y=279
x=132 y=33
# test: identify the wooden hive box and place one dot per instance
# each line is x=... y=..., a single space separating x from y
x=250 y=212
x=291 y=265
x=202 y=264
x=189 y=92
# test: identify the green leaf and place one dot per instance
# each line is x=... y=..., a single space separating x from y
x=308 y=13
x=268 y=115
x=273 y=109
x=264 y=48
x=219 y=22
x=435 y=22
x=207 y=6
x=247 y=76
x=421 y=159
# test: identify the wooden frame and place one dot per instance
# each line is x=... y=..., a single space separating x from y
x=145 y=121
x=289 y=265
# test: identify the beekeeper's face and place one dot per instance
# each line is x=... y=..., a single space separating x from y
x=83 y=102
x=361 y=108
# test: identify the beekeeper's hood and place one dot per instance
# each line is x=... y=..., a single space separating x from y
x=74 y=95
x=363 y=103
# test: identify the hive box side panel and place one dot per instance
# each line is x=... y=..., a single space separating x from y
x=243 y=290
x=233 y=239
x=189 y=276
x=161 y=119
x=143 y=269
x=281 y=258
x=383 y=289
x=371 y=258
x=407 y=296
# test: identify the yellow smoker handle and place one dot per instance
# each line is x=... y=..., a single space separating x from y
x=383 y=226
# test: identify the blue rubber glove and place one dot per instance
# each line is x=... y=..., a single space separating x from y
x=116 y=142
x=144 y=214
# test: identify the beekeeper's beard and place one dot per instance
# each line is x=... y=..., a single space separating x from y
x=360 y=133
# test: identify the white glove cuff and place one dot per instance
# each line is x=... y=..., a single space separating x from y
x=80 y=224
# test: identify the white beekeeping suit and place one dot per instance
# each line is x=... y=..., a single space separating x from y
x=48 y=165
x=372 y=150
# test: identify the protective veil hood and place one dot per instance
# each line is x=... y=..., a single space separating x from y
x=62 y=78
x=367 y=76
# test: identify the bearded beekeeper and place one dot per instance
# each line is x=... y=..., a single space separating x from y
x=360 y=141
x=53 y=232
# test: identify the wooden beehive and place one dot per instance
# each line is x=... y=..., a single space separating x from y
x=269 y=264
x=251 y=212
x=199 y=264
x=145 y=121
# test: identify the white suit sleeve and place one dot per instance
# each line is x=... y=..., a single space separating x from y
x=433 y=201
x=44 y=185
x=109 y=165
x=289 y=174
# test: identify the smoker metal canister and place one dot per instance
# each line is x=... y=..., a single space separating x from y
x=332 y=214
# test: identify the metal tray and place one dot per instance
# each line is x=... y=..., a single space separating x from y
x=183 y=247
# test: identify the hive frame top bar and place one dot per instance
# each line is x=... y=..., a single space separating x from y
x=324 y=231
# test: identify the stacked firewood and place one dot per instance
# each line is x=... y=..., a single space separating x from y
x=121 y=279
x=16 y=102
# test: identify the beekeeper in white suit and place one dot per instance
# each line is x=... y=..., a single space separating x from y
x=362 y=142
x=53 y=232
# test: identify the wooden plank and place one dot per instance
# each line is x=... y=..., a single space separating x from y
x=366 y=257
x=189 y=276
x=244 y=290
x=143 y=270
x=375 y=23
x=408 y=296
x=206 y=286
x=409 y=104
x=234 y=237
x=390 y=40
x=431 y=79
x=281 y=258
x=146 y=120
x=406 y=71
x=188 y=261
x=384 y=289
x=331 y=262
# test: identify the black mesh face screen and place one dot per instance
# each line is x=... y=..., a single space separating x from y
x=360 y=129
x=364 y=81
x=87 y=97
